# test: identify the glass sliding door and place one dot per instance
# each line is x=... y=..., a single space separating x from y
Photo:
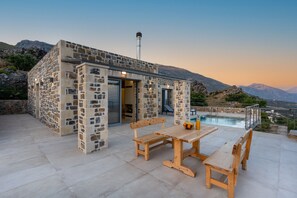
x=114 y=101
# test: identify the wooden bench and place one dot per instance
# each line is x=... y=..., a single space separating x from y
x=149 y=139
x=226 y=161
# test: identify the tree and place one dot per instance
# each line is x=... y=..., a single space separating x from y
x=23 y=62
x=198 y=99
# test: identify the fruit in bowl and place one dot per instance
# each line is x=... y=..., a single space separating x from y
x=188 y=125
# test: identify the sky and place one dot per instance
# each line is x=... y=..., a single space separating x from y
x=236 y=42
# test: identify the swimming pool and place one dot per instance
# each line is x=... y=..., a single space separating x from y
x=223 y=121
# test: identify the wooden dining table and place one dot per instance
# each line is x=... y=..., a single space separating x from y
x=179 y=135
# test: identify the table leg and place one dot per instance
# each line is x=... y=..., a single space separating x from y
x=196 y=148
x=178 y=158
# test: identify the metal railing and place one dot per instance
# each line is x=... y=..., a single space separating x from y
x=252 y=116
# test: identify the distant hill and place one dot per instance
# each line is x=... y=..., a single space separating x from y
x=27 y=44
x=210 y=84
x=292 y=90
x=269 y=93
x=281 y=104
x=233 y=97
x=5 y=46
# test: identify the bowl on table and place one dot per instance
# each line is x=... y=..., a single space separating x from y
x=188 y=125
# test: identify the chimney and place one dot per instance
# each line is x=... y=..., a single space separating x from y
x=138 y=45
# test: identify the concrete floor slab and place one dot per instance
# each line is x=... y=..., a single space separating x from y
x=36 y=162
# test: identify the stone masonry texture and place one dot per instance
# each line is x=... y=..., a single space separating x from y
x=43 y=89
x=92 y=108
x=13 y=106
x=55 y=91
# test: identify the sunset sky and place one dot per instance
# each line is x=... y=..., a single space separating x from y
x=236 y=42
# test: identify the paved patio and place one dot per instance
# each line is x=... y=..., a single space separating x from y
x=34 y=162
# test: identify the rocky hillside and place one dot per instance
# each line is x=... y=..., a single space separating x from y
x=211 y=84
x=25 y=54
x=14 y=64
x=269 y=93
x=233 y=97
x=27 y=44
x=5 y=46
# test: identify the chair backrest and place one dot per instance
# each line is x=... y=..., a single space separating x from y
x=144 y=123
x=168 y=108
x=241 y=148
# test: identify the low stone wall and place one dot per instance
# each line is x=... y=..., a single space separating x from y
x=220 y=109
x=13 y=106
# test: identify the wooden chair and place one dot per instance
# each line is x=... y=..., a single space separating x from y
x=226 y=161
x=149 y=139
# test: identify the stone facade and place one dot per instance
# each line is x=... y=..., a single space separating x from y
x=148 y=98
x=66 y=97
x=92 y=107
x=44 y=89
x=182 y=101
x=13 y=106
x=91 y=55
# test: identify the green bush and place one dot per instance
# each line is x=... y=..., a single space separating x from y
x=281 y=121
x=23 y=62
x=11 y=68
x=4 y=71
x=292 y=124
x=198 y=99
x=265 y=123
x=236 y=97
x=8 y=70
x=245 y=99
x=7 y=93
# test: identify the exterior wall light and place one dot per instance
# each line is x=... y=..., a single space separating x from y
x=167 y=86
x=124 y=73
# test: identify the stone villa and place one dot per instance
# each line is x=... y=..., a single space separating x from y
x=78 y=89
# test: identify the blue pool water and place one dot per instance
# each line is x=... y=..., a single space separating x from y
x=223 y=121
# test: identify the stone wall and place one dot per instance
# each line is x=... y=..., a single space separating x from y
x=147 y=93
x=13 y=106
x=44 y=89
x=92 y=107
x=148 y=98
x=182 y=93
x=91 y=55
x=220 y=109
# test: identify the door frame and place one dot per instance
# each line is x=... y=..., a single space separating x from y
x=120 y=99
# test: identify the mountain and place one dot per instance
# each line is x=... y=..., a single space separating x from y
x=292 y=90
x=269 y=93
x=210 y=84
x=34 y=44
x=5 y=46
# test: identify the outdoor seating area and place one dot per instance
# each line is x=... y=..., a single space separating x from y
x=37 y=162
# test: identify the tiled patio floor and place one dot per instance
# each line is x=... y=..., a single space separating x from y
x=34 y=162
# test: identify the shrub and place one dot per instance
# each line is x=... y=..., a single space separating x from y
x=198 y=99
x=22 y=61
x=292 y=124
x=245 y=99
x=4 y=71
x=11 y=68
x=7 y=93
x=265 y=123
